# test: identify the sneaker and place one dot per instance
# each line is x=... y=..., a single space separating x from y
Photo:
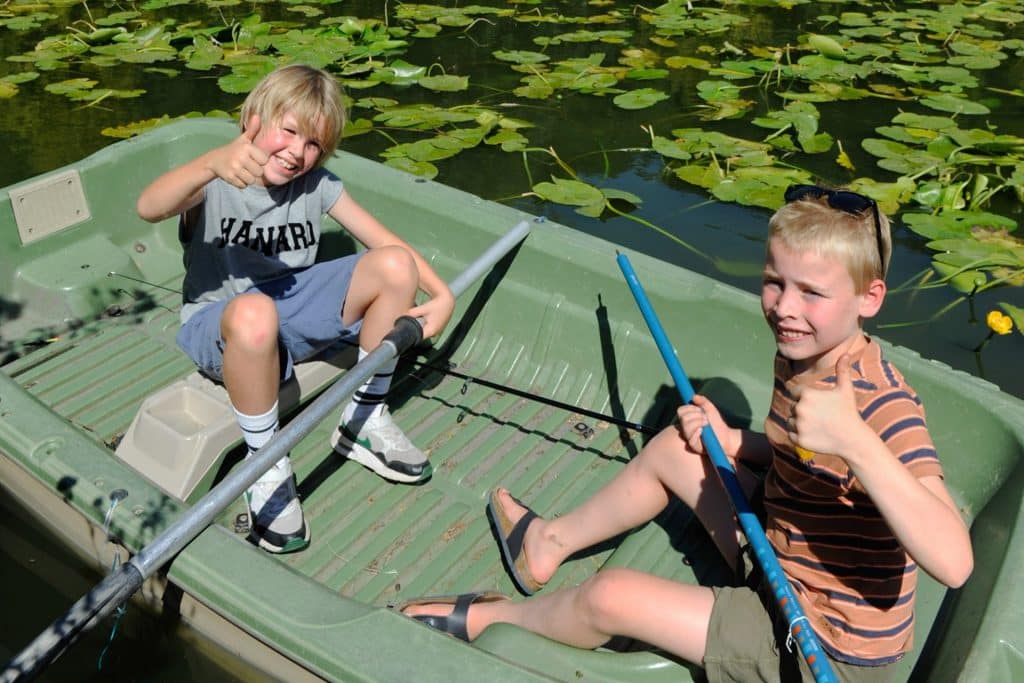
x=275 y=514
x=384 y=448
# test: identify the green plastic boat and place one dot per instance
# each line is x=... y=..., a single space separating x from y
x=545 y=360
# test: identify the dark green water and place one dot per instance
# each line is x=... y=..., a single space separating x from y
x=40 y=131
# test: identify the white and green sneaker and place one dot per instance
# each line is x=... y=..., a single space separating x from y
x=276 y=523
x=382 y=446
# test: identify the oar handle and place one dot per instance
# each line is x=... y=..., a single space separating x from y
x=799 y=627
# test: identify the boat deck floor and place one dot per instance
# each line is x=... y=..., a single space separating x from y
x=374 y=541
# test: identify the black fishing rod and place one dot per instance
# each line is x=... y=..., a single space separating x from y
x=449 y=369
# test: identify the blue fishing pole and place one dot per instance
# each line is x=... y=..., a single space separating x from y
x=804 y=635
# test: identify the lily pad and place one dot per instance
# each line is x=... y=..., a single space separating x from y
x=423 y=169
x=520 y=56
x=955 y=224
x=639 y=99
x=569 y=192
x=954 y=105
x=966 y=281
x=447 y=83
x=826 y=46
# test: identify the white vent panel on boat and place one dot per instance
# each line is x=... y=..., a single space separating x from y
x=47 y=205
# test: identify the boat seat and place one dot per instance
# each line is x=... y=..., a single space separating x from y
x=180 y=434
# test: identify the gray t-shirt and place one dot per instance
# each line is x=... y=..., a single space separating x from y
x=245 y=237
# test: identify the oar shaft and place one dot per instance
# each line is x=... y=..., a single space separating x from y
x=117 y=587
x=774 y=576
x=405 y=335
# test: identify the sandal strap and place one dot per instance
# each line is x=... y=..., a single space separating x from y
x=454 y=623
x=517 y=536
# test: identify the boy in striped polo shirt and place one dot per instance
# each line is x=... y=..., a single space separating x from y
x=854 y=499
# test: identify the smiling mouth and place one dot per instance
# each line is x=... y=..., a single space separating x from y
x=287 y=165
x=790 y=335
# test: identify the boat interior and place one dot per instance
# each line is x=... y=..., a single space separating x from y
x=545 y=382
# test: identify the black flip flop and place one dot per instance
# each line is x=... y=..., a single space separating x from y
x=453 y=624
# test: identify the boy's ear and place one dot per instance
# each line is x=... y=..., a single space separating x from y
x=871 y=300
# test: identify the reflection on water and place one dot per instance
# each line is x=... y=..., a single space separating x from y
x=40 y=580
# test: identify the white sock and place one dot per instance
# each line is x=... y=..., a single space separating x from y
x=257 y=429
x=369 y=399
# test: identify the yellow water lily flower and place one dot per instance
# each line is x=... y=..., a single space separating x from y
x=999 y=322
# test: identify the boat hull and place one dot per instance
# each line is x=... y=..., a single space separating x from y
x=89 y=337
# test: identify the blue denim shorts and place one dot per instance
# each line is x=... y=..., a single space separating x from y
x=309 y=304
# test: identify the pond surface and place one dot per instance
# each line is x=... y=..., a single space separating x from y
x=554 y=74
x=41 y=580
x=48 y=123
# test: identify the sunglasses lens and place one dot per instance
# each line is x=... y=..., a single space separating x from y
x=795 y=193
x=850 y=202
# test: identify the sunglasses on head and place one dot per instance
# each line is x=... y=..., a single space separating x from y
x=841 y=200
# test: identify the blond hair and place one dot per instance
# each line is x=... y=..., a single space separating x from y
x=810 y=224
x=310 y=94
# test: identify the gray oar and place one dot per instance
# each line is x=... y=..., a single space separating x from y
x=118 y=586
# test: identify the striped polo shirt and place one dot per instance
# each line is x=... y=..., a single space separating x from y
x=852 y=577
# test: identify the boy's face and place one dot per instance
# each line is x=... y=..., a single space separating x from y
x=291 y=153
x=811 y=305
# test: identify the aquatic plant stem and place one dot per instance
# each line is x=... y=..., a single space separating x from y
x=660 y=230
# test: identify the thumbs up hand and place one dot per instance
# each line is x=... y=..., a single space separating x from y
x=241 y=162
x=827 y=420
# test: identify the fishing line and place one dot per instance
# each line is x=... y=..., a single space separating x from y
x=116 y=496
x=618 y=422
x=114 y=273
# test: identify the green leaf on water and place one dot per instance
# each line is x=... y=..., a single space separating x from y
x=928 y=122
x=520 y=56
x=610 y=193
x=955 y=224
x=673 y=149
x=423 y=169
x=202 y=55
x=826 y=46
x=647 y=74
x=569 y=192
x=680 y=62
x=963 y=281
x=448 y=83
x=357 y=127
x=890 y=196
x=639 y=99
x=954 y=104
x=509 y=140
x=246 y=74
